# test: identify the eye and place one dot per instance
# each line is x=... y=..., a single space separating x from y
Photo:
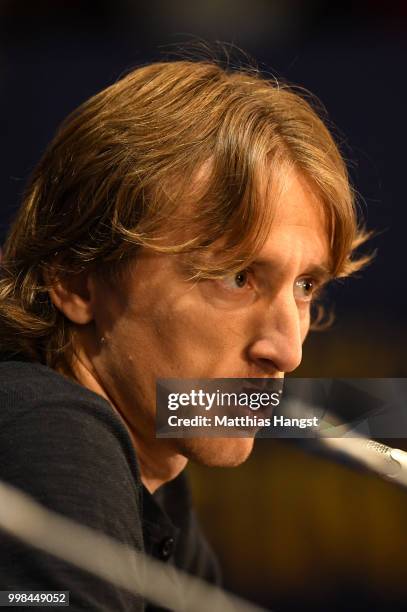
x=240 y=280
x=304 y=289
x=232 y=290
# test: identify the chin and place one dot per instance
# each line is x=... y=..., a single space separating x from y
x=217 y=452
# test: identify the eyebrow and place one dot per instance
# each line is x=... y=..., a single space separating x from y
x=321 y=272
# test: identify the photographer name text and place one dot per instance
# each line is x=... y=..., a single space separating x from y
x=242 y=421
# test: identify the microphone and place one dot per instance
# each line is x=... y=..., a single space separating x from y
x=350 y=411
x=388 y=462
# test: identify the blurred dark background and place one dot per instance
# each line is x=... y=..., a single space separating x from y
x=293 y=530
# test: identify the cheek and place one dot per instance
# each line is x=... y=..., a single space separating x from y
x=171 y=335
x=164 y=333
x=196 y=337
x=196 y=326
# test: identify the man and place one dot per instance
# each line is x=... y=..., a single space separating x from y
x=179 y=225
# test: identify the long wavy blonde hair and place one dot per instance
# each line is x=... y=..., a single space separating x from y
x=119 y=173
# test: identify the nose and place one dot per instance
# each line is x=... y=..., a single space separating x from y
x=277 y=346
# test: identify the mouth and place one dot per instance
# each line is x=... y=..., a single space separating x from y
x=246 y=410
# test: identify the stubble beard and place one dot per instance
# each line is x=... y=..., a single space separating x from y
x=216 y=452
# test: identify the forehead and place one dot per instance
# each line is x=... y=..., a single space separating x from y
x=299 y=223
x=299 y=205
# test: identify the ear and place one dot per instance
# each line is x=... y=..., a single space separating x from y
x=73 y=297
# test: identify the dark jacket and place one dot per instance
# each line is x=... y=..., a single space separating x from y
x=65 y=446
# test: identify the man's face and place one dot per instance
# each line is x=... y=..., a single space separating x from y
x=161 y=325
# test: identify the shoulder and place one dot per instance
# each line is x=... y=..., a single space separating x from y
x=32 y=386
x=65 y=445
x=33 y=393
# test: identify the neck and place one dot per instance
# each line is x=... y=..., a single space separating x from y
x=159 y=462
x=157 y=470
